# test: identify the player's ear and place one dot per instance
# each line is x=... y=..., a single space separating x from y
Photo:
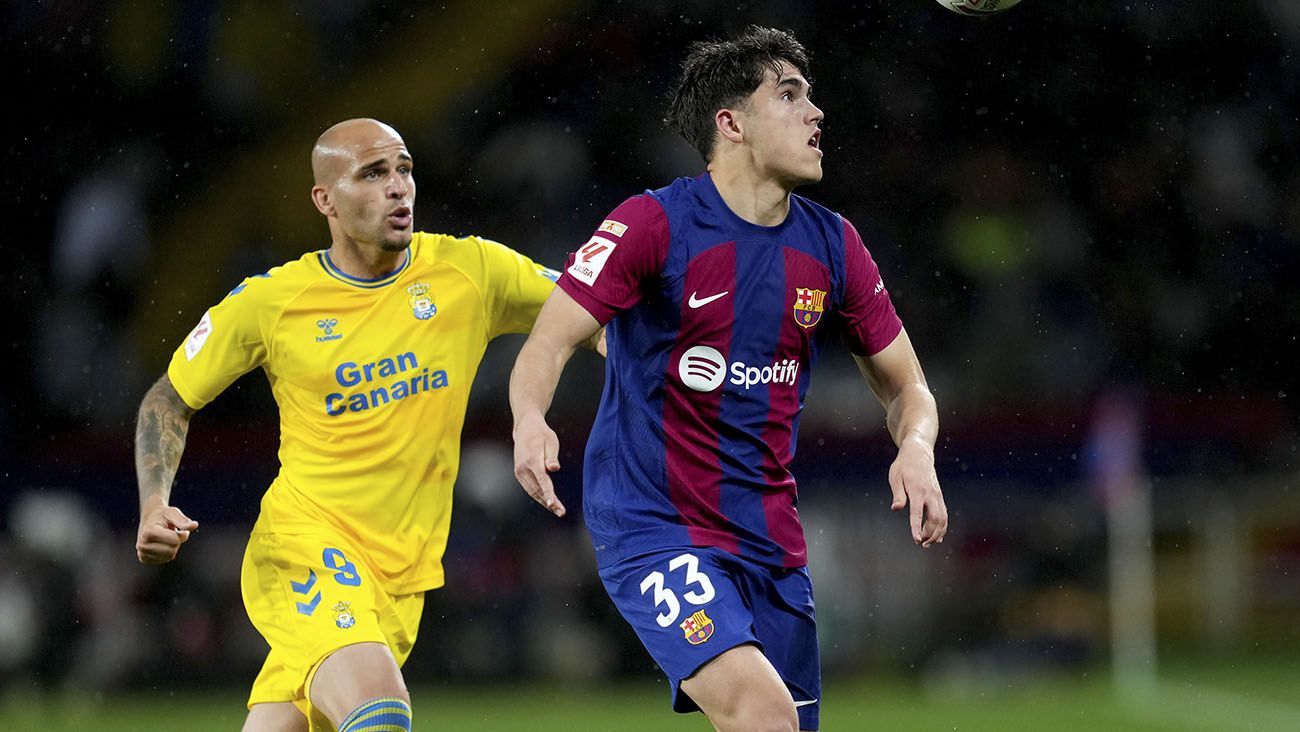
x=729 y=125
x=320 y=196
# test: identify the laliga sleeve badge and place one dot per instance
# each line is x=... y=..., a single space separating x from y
x=590 y=259
x=198 y=336
x=343 y=616
x=698 y=628
x=422 y=306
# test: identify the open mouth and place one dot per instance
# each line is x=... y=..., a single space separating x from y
x=400 y=217
x=815 y=141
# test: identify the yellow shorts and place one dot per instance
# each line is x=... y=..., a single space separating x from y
x=309 y=595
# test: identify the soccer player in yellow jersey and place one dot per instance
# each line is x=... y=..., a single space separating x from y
x=370 y=347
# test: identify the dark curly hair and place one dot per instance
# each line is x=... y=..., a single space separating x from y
x=718 y=74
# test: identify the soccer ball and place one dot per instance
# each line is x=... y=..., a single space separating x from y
x=978 y=7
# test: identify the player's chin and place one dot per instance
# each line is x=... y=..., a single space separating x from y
x=807 y=176
x=397 y=242
x=807 y=169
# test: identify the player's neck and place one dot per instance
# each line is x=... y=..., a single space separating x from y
x=364 y=261
x=754 y=198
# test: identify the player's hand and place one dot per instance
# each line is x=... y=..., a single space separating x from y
x=914 y=483
x=537 y=451
x=162 y=531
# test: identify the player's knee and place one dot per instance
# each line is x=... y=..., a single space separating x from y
x=388 y=714
x=760 y=720
x=758 y=715
x=275 y=717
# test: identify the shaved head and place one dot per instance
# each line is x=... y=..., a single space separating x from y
x=364 y=187
x=336 y=149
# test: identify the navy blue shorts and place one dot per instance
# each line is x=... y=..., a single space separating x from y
x=690 y=604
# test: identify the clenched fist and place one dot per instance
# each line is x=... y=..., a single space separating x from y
x=162 y=531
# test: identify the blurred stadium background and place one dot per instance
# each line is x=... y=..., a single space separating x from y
x=1088 y=215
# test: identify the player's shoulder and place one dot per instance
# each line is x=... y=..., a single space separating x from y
x=809 y=208
x=835 y=229
x=474 y=257
x=642 y=214
x=684 y=191
x=429 y=248
x=280 y=281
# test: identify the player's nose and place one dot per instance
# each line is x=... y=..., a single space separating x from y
x=397 y=187
x=817 y=114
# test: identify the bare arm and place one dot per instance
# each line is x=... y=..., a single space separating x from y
x=895 y=377
x=160 y=431
x=562 y=325
x=597 y=342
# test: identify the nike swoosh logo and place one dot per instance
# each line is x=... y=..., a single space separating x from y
x=805 y=703
x=695 y=302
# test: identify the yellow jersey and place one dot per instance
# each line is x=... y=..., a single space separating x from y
x=372 y=379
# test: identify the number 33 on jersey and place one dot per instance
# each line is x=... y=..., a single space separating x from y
x=686 y=570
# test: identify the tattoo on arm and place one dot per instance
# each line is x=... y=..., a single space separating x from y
x=160 y=431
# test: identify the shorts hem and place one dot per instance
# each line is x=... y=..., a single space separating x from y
x=682 y=702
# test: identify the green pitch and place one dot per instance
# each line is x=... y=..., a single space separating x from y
x=1261 y=694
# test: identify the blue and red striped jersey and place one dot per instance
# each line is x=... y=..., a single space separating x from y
x=713 y=325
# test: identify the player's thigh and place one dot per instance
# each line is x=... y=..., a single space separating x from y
x=683 y=605
x=274 y=717
x=786 y=627
x=740 y=690
x=310 y=596
x=690 y=605
x=353 y=675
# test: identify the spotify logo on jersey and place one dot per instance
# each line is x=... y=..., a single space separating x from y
x=702 y=368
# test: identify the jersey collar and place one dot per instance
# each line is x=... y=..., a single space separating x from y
x=709 y=192
x=370 y=283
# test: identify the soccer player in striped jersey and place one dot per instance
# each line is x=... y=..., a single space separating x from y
x=370 y=347
x=717 y=293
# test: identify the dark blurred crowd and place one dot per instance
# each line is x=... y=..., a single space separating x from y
x=1065 y=200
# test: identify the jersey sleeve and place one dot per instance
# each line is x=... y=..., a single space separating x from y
x=227 y=343
x=516 y=288
x=869 y=320
x=605 y=275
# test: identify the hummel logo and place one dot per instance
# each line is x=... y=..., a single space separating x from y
x=328 y=325
x=695 y=302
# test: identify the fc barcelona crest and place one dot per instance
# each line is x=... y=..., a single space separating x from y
x=808 y=306
x=698 y=628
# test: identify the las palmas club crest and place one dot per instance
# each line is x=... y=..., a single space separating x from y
x=421 y=303
x=698 y=628
x=343 y=616
x=808 y=306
